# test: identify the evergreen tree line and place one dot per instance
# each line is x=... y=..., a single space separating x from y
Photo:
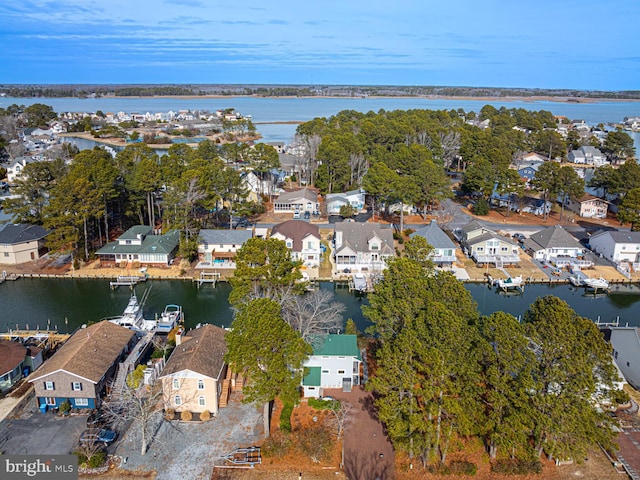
x=81 y=200
x=444 y=374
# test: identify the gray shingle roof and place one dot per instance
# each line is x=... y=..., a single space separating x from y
x=619 y=236
x=305 y=193
x=554 y=237
x=434 y=236
x=356 y=235
x=13 y=234
x=488 y=236
x=224 y=237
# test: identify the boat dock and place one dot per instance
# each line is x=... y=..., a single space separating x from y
x=45 y=339
x=127 y=281
x=207 y=277
x=8 y=276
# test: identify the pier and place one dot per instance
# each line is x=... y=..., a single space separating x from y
x=45 y=339
x=207 y=277
x=127 y=281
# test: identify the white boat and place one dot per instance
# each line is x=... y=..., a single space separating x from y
x=599 y=283
x=360 y=282
x=576 y=281
x=511 y=282
x=172 y=316
x=132 y=316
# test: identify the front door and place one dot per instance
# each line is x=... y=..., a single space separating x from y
x=346 y=384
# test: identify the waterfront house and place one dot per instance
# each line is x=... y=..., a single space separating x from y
x=552 y=244
x=617 y=246
x=587 y=155
x=588 y=206
x=302 y=240
x=193 y=376
x=140 y=244
x=305 y=200
x=83 y=367
x=21 y=243
x=16 y=360
x=444 y=250
x=533 y=157
x=626 y=352
x=354 y=198
x=335 y=363
x=12 y=355
x=362 y=247
x=220 y=247
x=486 y=246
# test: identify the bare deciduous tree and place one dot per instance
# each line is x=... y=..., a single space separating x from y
x=313 y=313
x=450 y=142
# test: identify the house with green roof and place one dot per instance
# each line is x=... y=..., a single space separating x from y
x=335 y=363
x=141 y=244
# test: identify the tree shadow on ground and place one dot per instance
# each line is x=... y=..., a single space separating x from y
x=368 y=466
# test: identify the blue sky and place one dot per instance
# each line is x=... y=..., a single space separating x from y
x=582 y=44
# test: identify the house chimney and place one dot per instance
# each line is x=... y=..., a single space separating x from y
x=179 y=336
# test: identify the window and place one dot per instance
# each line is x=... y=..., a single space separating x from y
x=340 y=372
x=201 y=401
x=311 y=388
x=504 y=249
x=310 y=245
x=176 y=383
x=6 y=254
x=49 y=386
x=50 y=401
x=81 y=402
x=480 y=249
x=325 y=371
x=200 y=384
x=177 y=400
x=375 y=246
x=289 y=244
x=76 y=386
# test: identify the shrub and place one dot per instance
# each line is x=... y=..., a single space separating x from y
x=285 y=417
x=408 y=231
x=206 y=415
x=97 y=459
x=169 y=414
x=320 y=404
x=277 y=445
x=315 y=442
x=186 y=416
x=65 y=407
x=516 y=466
x=461 y=467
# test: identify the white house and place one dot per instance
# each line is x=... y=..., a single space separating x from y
x=354 y=198
x=617 y=246
x=626 y=352
x=302 y=239
x=587 y=155
x=304 y=200
x=486 y=246
x=552 y=243
x=444 y=250
x=14 y=170
x=220 y=247
x=335 y=363
x=139 y=244
x=362 y=247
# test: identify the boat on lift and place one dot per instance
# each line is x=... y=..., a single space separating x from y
x=170 y=317
x=596 y=283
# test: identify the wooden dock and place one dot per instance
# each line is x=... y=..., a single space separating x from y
x=45 y=339
x=207 y=277
x=127 y=281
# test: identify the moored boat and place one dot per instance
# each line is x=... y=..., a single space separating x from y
x=170 y=317
x=599 y=283
x=132 y=317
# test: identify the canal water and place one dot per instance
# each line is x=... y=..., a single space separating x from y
x=68 y=303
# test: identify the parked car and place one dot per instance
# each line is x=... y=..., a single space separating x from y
x=519 y=237
x=98 y=435
x=307 y=215
x=296 y=214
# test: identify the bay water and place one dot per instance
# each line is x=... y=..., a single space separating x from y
x=66 y=304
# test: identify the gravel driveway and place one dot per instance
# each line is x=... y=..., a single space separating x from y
x=189 y=450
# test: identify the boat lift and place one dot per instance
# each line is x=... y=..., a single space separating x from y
x=242 y=458
x=207 y=277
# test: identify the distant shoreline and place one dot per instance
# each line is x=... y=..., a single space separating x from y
x=507 y=99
